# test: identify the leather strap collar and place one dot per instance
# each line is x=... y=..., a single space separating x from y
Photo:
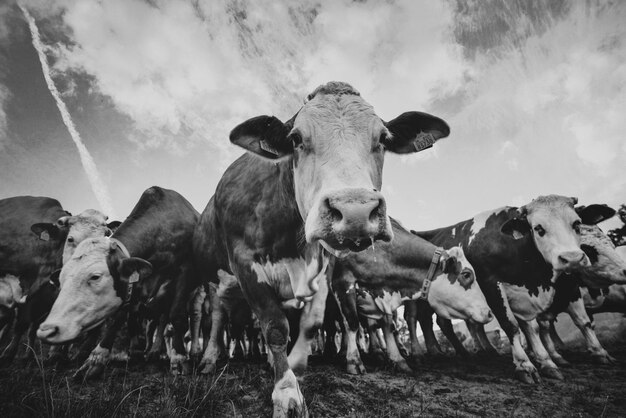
x=434 y=263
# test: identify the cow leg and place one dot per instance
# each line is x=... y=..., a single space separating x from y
x=377 y=344
x=57 y=354
x=195 y=322
x=150 y=328
x=135 y=351
x=545 y=322
x=577 y=312
x=88 y=344
x=21 y=325
x=215 y=349
x=158 y=340
x=31 y=338
x=477 y=331
x=558 y=342
x=286 y=396
x=178 y=316
x=494 y=292
x=206 y=322
x=410 y=315
x=425 y=318
x=344 y=291
x=448 y=331
x=99 y=357
x=547 y=366
x=311 y=320
x=393 y=353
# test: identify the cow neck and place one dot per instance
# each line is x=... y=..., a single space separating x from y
x=118 y=284
x=432 y=269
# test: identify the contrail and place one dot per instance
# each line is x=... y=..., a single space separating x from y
x=98 y=187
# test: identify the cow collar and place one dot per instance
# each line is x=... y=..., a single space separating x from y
x=434 y=263
x=134 y=278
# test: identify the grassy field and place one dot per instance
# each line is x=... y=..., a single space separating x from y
x=448 y=386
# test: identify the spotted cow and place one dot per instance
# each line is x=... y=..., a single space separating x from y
x=307 y=190
x=376 y=283
x=518 y=253
x=151 y=251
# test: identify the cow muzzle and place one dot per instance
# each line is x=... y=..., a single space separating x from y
x=571 y=260
x=47 y=332
x=352 y=219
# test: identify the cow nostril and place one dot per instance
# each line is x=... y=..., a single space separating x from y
x=375 y=213
x=334 y=213
x=624 y=272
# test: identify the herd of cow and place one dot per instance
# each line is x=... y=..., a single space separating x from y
x=297 y=239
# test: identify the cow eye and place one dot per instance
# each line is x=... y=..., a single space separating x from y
x=539 y=230
x=70 y=239
x=94 y=278
x=576 y=226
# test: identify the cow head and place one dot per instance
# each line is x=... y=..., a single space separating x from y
x=89 y=223
x=555 y=229
x=336 y=145
x=93 y=286
x=454 y=293
x=606 y=265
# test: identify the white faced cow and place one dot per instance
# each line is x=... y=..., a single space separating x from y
x=275 y=221
x=517 y=255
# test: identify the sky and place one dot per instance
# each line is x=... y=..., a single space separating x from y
x=147 y=92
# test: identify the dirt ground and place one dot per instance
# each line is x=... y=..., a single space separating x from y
x=449 y=386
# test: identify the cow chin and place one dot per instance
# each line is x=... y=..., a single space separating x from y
x=341 y=244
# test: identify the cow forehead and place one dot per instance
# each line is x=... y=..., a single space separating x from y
x=337 y=113
x=550 y=206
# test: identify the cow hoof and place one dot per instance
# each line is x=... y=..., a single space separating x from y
x=207 y=368
x=89 y=372
x=603 y=358
x=561 y=362
x=355 y=368
x=551 y=373
x=402 y=366
x=527 y=376
x=153 y=356
x=287 y=398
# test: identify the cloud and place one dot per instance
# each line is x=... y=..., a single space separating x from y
x=5 y=94
x=188 y=72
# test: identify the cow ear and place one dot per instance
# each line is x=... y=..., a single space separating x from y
x=265 y=136
x=593 y=214
x=516 y=228
x=452 y=266
x=45 y=231
x=113 y=225
x=414 y=132
x=66 y=221
x=54 y=278
x=134 y=269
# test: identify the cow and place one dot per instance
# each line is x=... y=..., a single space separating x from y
x=306 y=190
x=31 y=246
x=518 y=253
x=376 y=283
x=35 y=306
x=150 y=251
x=606 y=267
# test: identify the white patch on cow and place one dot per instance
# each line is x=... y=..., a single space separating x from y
x=10 y=291
x=453 y=232
x=286 y=393
x=524 y=305
x=479 y=221
x=389 y=302
x=292 y=277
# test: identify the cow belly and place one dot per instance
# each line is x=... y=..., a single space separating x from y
x=526 y=306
